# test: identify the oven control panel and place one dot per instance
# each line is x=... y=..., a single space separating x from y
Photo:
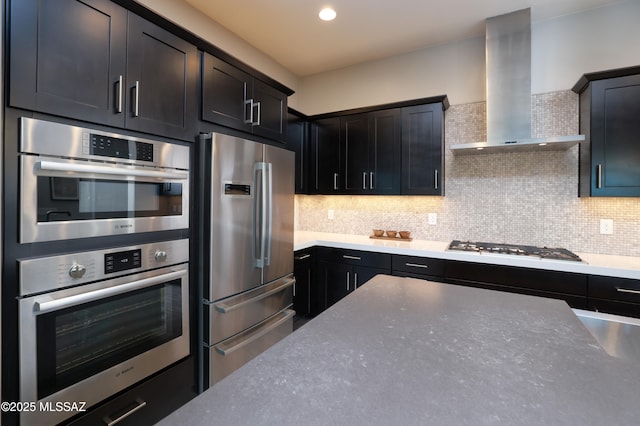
x=122 y=261
x=109 y=146
x=42 y=274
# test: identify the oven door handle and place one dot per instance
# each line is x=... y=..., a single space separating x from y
x=53 y=166
x=66 y=302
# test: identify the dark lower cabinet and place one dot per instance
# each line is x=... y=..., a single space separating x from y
x=570 y=287
x=340 y=272
x=304 y=302
x=417 y=267
x=611 y=295
x=148 y=402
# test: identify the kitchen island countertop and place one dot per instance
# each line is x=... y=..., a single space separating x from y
x=407 y=351
x=595 y=264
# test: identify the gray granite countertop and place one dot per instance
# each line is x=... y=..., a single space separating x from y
x=407 y=351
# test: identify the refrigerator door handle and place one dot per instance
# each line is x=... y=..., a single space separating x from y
x=268 y=214
x=262 y=214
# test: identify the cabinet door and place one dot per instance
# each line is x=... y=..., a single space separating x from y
x=325 y=150
x=68 y=58
x=298 y=141
x=422 y=156
x=355 y=142
x=161 y=81
x=224 y=91
x=384 y=152
x=615 y=137
x=361 y=275
x=337 y=279
x=270 y=119
x=303 y=271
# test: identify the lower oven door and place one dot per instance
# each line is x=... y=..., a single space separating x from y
x=84 y=344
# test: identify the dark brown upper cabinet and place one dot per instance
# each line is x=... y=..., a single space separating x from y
x=234 y=98
x=610 y=121
x=94 y=61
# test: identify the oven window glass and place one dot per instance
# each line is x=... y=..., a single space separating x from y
x=78 y=342
x=61 y=198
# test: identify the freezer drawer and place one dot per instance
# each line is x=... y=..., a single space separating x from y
x=234 y=314
x=233 y=353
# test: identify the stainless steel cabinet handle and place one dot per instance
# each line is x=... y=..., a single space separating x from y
x=238 y=302
x=435 y=178
x=335 y=181
x=140 y=404
x=364 y=180
x=303 y=257
x=417 y=265
x=371 y=186
x=53 y=166
x=627 y=290
x=348 y=274
x=346 y=256
x=253 y=335
x=136 y=101
x=119 y=93
x=249 y=103
x=257 y=122
x=355 y=280
x=66 y=302
x=599 y=175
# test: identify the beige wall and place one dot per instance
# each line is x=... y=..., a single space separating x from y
x=563 y=49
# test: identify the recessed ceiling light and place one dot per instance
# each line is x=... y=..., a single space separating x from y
x=327 y=14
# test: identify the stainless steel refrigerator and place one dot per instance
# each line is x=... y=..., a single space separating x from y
x=246 y=251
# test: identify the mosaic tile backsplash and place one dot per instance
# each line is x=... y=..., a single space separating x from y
x=518 y=198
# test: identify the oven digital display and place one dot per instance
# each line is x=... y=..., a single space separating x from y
x=122 y=261
x=107 y=146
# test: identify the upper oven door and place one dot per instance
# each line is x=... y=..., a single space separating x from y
x=64 y=199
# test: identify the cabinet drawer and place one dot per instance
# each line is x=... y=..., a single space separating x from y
x=526 y=278
x=418 y=265
x=355 y=257
x=620 y=289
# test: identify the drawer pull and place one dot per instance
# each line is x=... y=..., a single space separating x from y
x=139 y=405
x=627 y=290
x=249 y=298
x=346 y=256
x=303 y=257
x=417 y=265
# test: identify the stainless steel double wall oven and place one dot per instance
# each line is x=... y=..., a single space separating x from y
x=93 y=322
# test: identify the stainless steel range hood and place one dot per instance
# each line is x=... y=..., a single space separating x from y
x=508 y=68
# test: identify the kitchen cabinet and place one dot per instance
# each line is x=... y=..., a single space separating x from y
x=94 y=61
x=371 y=152
x=417 y=267
x=304 y=299
x=298 y=142
x=392 y=149
x=340 y=272
x=234 y=98
x=422 y=150
x=570 y=287
x=324 y=165
x=619 y=296
x=610 y=155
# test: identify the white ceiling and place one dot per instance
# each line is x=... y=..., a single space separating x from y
x=290 y=32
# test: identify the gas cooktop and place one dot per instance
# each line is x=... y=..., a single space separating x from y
x=515 y=249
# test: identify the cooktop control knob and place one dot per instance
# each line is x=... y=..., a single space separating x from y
x=161 y=255
x=77 y=271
